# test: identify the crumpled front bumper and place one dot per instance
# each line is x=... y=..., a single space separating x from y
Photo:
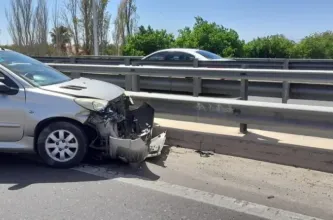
x=137 y=150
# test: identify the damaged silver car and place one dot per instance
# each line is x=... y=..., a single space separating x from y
x=44 y=111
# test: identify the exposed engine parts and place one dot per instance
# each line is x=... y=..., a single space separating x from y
x=123 y=132
x=117 y=120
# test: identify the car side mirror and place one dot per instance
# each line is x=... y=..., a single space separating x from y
x=4 y=88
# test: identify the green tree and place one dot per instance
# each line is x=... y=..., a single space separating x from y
x=146 y=41
x=274 y=46
x=315 y=46
x=111 y=50
x=60 y=36
x=212 y=37
x=125 y=23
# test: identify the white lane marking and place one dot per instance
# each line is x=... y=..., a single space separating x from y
x=239 y=206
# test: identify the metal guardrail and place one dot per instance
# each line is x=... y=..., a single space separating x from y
x=295 y=84
x=244 y=112
x=200 y=109
x=217 y=73
x=252 y=63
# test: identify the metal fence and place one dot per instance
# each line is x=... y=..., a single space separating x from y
x=230 y=82
x=134 y=78
x=253 y=63
x=218 y=111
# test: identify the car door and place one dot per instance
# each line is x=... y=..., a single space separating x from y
x=12 y=110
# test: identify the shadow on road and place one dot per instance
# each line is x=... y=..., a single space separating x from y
x=121 y=169
x=21 y=171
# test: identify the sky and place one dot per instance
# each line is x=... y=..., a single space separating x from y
x=250 y=18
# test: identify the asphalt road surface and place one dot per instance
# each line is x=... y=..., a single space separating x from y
x=181 y=184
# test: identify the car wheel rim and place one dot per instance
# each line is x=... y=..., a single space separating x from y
x=61 y=145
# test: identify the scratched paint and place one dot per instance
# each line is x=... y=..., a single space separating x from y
x=214 y=108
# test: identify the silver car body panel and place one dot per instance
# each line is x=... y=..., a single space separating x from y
x=38 y=108
x=12 y=116
x=21 y=113
x=25 y=145
x=89 y=88
x=12 y=113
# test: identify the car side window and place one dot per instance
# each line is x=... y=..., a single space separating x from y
x=172 y=56
x=188 y=56
x=158 y=56
x=179 y=56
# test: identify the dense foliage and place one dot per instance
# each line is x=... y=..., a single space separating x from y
x=147 y=40
x=212 y=37
x=275 y=46
x=227 y=43
x=315 y=46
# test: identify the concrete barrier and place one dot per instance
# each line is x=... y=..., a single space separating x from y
x=288 y=149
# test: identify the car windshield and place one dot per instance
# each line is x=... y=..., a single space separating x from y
x=208 y=55
x=37 y=73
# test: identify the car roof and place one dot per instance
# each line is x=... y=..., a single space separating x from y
x=189 y=50
x=185 y=50
x=192 y=51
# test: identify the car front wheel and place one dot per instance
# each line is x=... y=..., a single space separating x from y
x=62 y=145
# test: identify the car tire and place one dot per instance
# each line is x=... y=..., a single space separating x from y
x=62 y=145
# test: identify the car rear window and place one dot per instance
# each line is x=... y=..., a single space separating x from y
x=208 y=55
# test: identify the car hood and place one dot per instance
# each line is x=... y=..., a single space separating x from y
x=88 y=88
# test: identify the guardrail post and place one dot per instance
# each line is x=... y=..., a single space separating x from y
x=285 y=85
x=72 y=59
x=135 y=83
x=244 y=95
x=197 y=81
x=128 y=78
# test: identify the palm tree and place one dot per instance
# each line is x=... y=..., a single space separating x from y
x=60 y=36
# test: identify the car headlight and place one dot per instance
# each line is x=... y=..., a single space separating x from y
x=129 y=98
x=92 y=104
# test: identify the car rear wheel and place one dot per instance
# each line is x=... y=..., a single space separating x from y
x=62 y=145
